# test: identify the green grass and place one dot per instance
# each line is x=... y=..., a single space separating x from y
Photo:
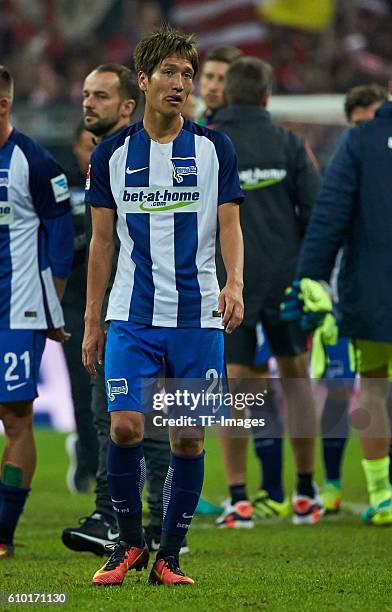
x=335 y=565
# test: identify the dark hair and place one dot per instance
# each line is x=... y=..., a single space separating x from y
x=152 y=50
x=128 y=86
x=6 y=83
x=364 y=96
x=223 y=54
x=246 y=80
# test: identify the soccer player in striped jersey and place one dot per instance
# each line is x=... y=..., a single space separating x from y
x=36 y=251
x=168 y=180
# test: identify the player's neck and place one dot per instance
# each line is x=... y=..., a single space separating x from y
x=5 y=131
x=116 y=128
x=160 y=128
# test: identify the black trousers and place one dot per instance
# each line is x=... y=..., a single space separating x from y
x=73 y=307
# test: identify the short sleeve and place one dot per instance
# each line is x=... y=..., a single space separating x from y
x=98 y=190
x=48 y=185
x=229 y=188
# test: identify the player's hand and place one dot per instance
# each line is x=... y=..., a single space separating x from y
x=291 y=309
x=312 y=320
x=308 y=301
x=93 y=347
x=58 y=334
x=316 y=297
x=231 y=305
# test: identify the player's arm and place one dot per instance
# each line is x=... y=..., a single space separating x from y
x=60 y=250
x=99 y=270
x=49 y=190
x=230 y=235
x=59 y=233
x=332 y=214
x=232 y=247
x=305 y=185
x=60 y=285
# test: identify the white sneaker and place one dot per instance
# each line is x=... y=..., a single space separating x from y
x=238 y=516
x=307 y=510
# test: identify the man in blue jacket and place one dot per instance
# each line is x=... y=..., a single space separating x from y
x=354 y=211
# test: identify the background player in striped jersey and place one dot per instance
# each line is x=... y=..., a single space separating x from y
x=36 y=251
x=165 y=293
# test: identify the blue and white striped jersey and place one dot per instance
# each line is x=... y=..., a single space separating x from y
x=166 y=197
x=33 y=196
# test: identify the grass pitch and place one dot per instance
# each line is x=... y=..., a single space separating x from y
x=335 y=565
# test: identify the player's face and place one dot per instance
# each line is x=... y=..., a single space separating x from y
x=102 y=105
x=362 y=114
x=5 y=106
x=169 y=86
x=212 y=84
x=82 y=148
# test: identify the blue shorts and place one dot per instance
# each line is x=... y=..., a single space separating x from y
x=20 y=358
x=339 y=365
x=137 y=354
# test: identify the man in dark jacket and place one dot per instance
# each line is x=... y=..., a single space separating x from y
x=354 y=211
x=280 y=185
x=360 y=105
x=82 y=446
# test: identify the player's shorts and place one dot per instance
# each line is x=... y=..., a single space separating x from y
x=371 y=355
x=340 y=360
x=20 y=358
x=137 y=353
x=285 y=339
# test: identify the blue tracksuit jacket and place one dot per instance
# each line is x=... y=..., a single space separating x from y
x=354 y=211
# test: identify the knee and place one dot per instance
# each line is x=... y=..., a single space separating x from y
x=17 y=419
x=294 y=367
x=127 y=429
x=187 y=446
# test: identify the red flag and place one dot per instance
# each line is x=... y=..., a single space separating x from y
x=218 y=23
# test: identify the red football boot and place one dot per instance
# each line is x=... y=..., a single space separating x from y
x=6 y=551
x=122 y=559
x=167 y=571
